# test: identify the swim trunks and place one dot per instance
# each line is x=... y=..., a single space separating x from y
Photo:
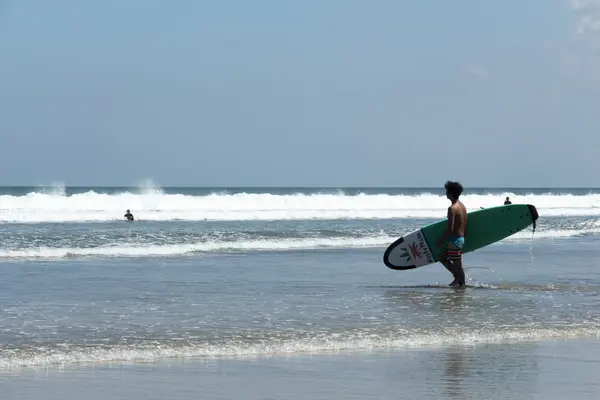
x=455 y=254
x=458 y=241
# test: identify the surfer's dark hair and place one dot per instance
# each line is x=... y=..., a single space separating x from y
x=454 y=189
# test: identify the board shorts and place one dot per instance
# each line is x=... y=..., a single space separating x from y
x=456 y=253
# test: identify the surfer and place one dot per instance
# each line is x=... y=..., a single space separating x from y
x=454 y=235
x=507 y=201
x=129 y=215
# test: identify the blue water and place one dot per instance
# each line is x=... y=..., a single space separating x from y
x=237 y=272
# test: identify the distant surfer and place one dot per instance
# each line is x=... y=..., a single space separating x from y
x=129 y=215
x=507 y=201
x=454 y=235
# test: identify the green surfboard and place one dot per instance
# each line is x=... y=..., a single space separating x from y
x=484 y=227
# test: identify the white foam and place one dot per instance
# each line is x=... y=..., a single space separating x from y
x=327 y=344
x=182 y=249
x=158 y=206
x=243 y=245
x=561 y=233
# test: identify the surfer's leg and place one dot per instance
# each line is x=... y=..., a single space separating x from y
x=448 y=264
x=454 y=255
x=451 y=258
x=459 y=273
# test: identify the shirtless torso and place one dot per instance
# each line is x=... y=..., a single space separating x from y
x=457 y=219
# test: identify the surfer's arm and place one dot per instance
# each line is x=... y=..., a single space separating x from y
x=449 y=229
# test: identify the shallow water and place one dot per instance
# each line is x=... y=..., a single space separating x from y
x=97 y=293
x=293 y=301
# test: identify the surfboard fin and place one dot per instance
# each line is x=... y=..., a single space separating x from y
x=534 y=215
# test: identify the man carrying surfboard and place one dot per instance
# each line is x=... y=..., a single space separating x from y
x=454 y=235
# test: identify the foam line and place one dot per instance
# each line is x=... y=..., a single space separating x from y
x=158 y=206
x=47 y=356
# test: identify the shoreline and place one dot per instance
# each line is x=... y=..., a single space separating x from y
x=516 y=370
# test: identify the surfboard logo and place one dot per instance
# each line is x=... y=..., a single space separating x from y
x=423 y=248
x=412 y=252
x=405 y=254
x=414 y=249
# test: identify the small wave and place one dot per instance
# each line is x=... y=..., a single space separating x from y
x=552 y=234
x=191 y=248
x=73 y=354
x=230 y=244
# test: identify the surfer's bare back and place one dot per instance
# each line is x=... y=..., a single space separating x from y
x=454 y=235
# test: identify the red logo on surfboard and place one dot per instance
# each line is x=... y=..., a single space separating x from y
x=414 y=249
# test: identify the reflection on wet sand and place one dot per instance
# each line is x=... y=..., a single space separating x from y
x=476 y=372
x=455 y=372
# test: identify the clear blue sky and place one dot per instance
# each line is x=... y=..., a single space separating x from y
x=326 y=93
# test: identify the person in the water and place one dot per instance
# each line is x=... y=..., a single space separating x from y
x=129 y=216
x=507 y=201
x=454 y=235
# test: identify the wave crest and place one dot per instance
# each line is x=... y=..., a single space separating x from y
x=152 y=204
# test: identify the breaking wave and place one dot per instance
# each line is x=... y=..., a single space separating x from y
x=155 y=205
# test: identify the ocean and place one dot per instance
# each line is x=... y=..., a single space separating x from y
x=272 y=293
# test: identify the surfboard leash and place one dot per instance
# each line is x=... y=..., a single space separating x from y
x=531 y=246
x=534 y=217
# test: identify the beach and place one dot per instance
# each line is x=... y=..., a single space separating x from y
x=283 y=294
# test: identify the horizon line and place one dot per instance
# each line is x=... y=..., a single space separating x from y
x=295 y=187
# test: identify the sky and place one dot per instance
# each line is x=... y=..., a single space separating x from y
x=305 y=93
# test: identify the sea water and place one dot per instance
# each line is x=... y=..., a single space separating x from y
x=288 y=285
